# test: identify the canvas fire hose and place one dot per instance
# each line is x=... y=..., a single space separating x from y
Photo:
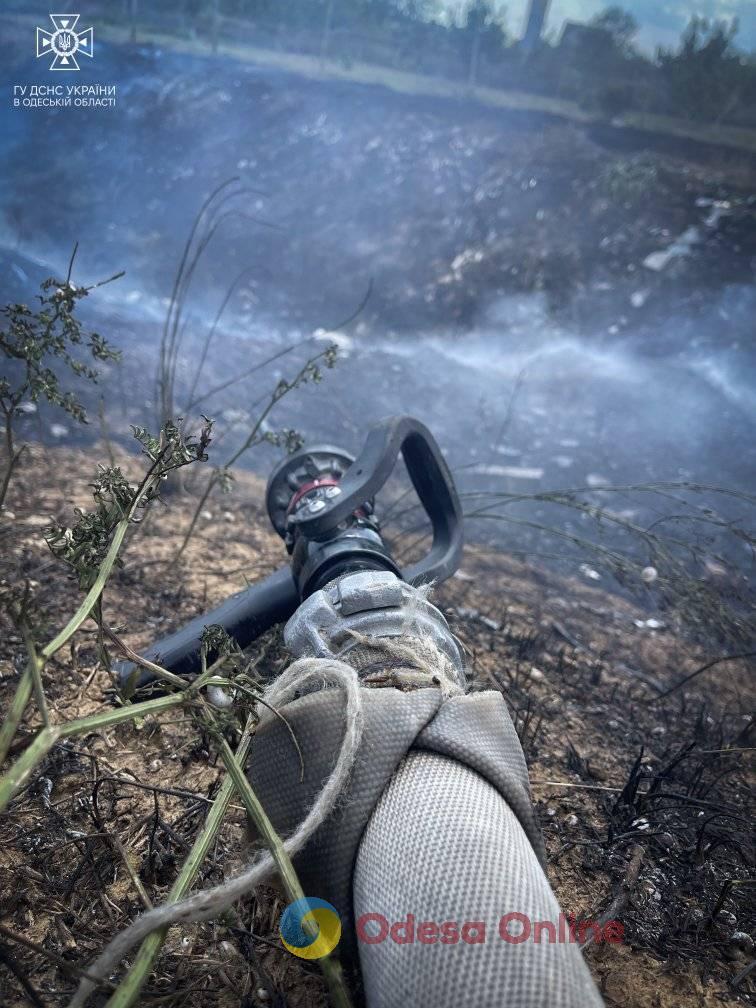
x=431 y=859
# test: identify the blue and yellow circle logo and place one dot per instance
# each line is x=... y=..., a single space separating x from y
x=310 y=928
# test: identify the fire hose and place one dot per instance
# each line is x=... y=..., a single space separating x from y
x=410 y=818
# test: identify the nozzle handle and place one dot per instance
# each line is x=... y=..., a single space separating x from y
x=430 y=477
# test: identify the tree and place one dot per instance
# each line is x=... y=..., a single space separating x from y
x=417 y=10
x=618 y=23
x=707 y=71
x=484 y=28
x=133 y=13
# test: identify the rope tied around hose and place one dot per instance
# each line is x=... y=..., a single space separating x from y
x=411 y=665
x=209 y=903
x=406 y=663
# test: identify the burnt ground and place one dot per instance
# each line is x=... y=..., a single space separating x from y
x=644 y=801
x=510 y=307
x=344 y=182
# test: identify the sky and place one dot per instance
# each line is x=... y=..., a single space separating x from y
x=661 y=21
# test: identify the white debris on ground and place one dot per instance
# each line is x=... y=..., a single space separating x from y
x=597 y=480
x=219 y=697
x=681 y=247
x=589 y=572
x=466 y=613
x=473 y=614
x=715 y=569
x=510 y=472
x=649 y=624
x=718 y=208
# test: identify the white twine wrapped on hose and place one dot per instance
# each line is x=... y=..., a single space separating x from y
x=303 y=674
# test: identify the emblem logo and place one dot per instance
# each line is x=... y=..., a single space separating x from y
x=310 y=928
x=64 y=42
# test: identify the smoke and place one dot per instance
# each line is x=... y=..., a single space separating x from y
x=512 y=309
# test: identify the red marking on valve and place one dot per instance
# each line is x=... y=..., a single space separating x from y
x=306 y=488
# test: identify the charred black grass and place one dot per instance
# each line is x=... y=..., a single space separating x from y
x=674 y=829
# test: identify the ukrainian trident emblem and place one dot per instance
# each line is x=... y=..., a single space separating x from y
x=64 y=42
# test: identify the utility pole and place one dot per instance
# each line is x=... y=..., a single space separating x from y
x=478 y=13
x=534 y=26
x=325 y=38
x=474 y=54
x=215 y=25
